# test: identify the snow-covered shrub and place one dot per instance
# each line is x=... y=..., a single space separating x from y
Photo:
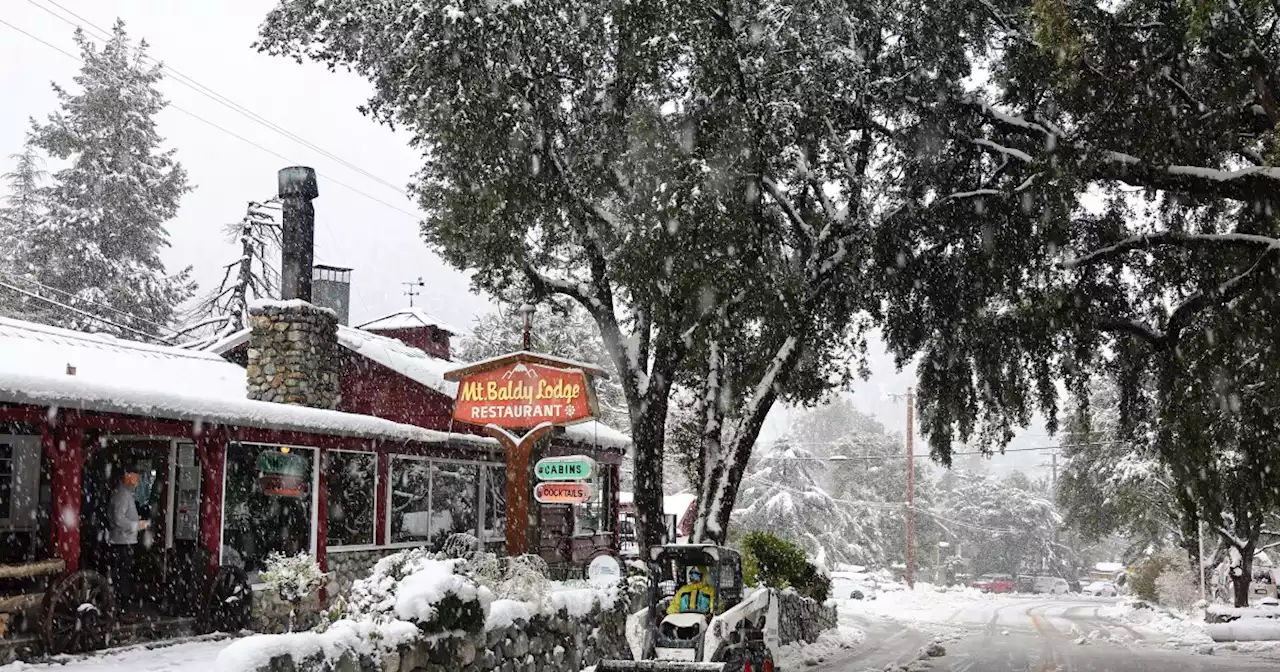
x=1178 y=587
x=292 y=577
x=525 y=579
x=460 y=545
x=415 y=585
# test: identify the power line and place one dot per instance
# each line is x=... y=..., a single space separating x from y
x=195 y=85
x=844 y=458
x=216 y=126
x=70 y=295
x=82 y=312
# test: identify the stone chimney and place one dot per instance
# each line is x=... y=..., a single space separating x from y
x=293 y=354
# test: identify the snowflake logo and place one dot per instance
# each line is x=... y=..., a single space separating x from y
x=569 y=410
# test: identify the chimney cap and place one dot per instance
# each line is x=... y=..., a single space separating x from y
x=297 y=181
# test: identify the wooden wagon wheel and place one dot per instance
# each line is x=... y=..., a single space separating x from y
x=79 y=611
x=228 y=603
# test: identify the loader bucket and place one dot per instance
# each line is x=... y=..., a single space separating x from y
x=660 y=666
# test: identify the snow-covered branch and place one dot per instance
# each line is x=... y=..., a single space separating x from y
x=1174 y=239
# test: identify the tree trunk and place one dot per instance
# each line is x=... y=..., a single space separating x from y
x=1241 y=584
x=648 y=441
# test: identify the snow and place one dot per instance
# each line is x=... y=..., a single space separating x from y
x=534 y=358
x=412 y=318
x=678 y=505
x=504 y=613
x=801 y=655
x=118 y=376
x=288 y=304
x=1251 y=630
x=419 y=592
x=190 y=656
x=404 y=359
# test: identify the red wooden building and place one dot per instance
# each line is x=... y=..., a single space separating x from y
x=385 y=470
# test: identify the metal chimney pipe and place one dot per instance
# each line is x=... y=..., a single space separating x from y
x=297 y=188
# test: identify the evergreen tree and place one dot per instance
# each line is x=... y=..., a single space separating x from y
x=24 y=206
x=100 y=241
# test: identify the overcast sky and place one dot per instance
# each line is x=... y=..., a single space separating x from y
x=366 y=224
x=209 y=42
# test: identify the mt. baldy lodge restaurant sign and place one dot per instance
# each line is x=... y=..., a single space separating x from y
x=522 y=395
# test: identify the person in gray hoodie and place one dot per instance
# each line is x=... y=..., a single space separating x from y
x=122 y=536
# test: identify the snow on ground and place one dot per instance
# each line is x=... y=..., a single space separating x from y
x=830 y=645
x=195 y=656
x=1178 y=629
x=923 y=605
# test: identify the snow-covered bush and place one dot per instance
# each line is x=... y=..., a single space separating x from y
x=417 y=586
x=525 y=579
x=1178 y=587
x=292 y=577
x=1143 y=582
x=777 y=563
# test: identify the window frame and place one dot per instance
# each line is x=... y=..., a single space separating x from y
x=604 y=479
x=431 y=486
x=314 y=497
x=377 y=481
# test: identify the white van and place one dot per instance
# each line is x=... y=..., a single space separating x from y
x=1051 y=585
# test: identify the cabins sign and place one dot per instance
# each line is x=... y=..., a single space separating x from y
x=521 y=395
x=571 y=468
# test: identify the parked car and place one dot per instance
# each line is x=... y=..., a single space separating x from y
x=853 y=586
x=1050 y=585
x=1101 y=589
x=995 y=583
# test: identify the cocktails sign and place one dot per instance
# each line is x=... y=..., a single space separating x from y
x=521 y=395
x=549 y=492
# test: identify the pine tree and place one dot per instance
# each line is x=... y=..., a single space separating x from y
x=99 y=245
x=24 y=206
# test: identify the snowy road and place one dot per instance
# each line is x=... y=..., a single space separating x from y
x=192 y=656
x=1015 y=634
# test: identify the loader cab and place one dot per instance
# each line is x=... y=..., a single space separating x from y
x=670 y=567
x=680 y=636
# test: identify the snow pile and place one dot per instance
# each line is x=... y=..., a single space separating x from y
x=1178 y=628
x=830 y=644
x=418 y=595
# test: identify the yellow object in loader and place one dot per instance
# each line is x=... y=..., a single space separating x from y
x=737 y=633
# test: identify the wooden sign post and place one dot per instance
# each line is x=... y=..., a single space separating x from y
x=523 y=391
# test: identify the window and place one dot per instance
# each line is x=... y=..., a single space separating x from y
x=431 y=499
x=351 y=480
x=495 y=503
x=268 y=504
x=592 y=518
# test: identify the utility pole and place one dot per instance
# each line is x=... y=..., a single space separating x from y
x=910 y=513
x=296 y=189
x=911 y=490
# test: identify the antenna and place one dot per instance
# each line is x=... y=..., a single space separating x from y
x=411 y=292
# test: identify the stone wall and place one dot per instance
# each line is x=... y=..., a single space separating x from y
x=553 y=643
x=270 y=614
x=293 y=354
x=347 y=566
x=802 y=619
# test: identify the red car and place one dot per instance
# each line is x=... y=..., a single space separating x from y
x=995 y=583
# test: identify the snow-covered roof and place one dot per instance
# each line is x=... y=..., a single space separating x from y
x=678 y=505
x=411 y=318
x=48 y=366
x=462 y=370
x=419 y=366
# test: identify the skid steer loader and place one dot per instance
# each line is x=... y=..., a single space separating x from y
x=733 y=631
